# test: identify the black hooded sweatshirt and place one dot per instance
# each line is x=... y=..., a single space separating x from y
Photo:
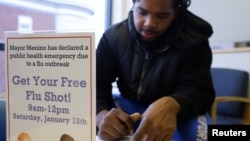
x=177 y=65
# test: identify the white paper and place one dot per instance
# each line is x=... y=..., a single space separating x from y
x=127 y=138
x=51 y=86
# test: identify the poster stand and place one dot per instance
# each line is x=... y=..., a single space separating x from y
x=50 y=92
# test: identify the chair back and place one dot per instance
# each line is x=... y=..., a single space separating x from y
x=1 y=46
x=230 y=82
x=2 y=120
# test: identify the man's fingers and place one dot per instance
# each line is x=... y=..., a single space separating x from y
x=135 y=116
x=126 y=120
x=141 y=132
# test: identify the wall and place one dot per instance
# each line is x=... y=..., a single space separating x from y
x=230 y=22
x=9 y=21
x=235 y=60
x=229 y=19
x=120 y=10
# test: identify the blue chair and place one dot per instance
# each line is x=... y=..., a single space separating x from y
x=2 y=120
x=1 y=46
x=231 y=105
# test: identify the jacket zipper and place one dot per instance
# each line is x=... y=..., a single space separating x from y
x=140 y=88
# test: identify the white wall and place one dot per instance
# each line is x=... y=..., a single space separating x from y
x=234 y=60
x=230 y=22
x=229 y=18
x=120 y=10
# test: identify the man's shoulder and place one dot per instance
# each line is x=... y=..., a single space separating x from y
x=200 y=24
x=118 y=32
x=195 y=30
x=117 y=28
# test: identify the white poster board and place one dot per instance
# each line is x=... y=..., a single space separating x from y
x=50 y=86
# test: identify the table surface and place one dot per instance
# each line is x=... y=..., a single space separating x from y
x=127 y=138
x=124 y=139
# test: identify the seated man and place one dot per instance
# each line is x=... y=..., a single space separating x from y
x=161 y=58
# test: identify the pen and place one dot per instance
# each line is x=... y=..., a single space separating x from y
x=117 y=104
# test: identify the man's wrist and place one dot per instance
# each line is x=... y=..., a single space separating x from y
x=175 y=106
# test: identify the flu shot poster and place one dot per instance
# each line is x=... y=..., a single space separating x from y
x=50 y=86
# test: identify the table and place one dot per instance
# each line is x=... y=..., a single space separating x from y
x=124 y=139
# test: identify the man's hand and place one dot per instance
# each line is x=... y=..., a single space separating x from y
x=115 y=124
x=158 y=122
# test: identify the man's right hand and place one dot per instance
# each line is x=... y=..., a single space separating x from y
x=115 y=124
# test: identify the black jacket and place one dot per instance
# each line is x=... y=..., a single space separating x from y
x=178 y=65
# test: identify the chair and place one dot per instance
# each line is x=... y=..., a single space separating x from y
x=2 y=120
x=231 y=105
x=1 y=46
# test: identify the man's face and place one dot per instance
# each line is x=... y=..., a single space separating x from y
x=153 y=17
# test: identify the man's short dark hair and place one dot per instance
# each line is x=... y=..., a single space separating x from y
x=178 y=3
